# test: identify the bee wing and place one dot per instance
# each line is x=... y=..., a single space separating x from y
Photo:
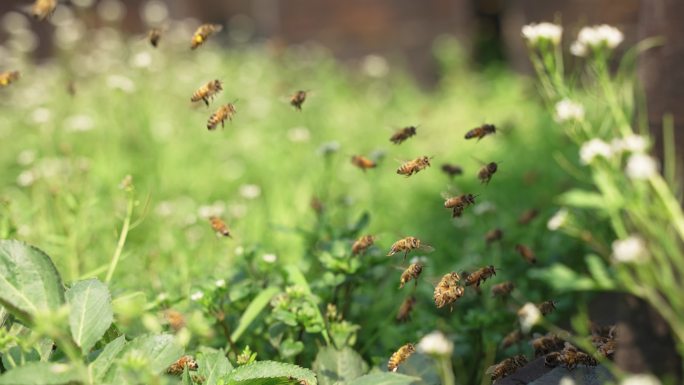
x=426 y=248
x=491 y=369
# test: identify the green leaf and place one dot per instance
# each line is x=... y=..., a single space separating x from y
x=422 y=366
x=385 y=379
x=161 y=350
x=599 y=272
x=99 y=368
x=265 y=370
x=333 y=366
x=213 y=365
x=582 y=199
x=186 y=377
x=91 y=312
x=29 y=281
x=255 y=307
x=42 y=373
x=563 y=278
x=290 y=348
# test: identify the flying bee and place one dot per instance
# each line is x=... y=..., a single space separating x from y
x=452 y=170
x=503 y=289
x=175 y=319
x=224 y=112
x=486 y=172
x=362 y=162
x=569 y=357
x=543 y=345
x=362 y=244
x=8 y=77
x=493 y=235
x=411 y=272
x=297 y=99
x=405 y=309
x=547 y=307
x=403 y=134
x=448 y=290
x=207 y=92
x=407 y=245
x=153 y=36
x=478 y=276
x=511 y=338
x=414 y=166
x=526 y=253
x=202 y=34
x=527 y=216
x=42 y=9
x=400 y=356
x=178 y=367
x=219 y=226
x=506 y=367
x=459 y=203
x=481 y=132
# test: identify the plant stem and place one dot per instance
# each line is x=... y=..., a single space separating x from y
x=446 y=370
x=122 y=239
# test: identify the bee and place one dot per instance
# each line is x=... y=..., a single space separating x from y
x=400 y=356
x=153 y=36
x=362 y=162
x=478 y=276
x=297 y=99
x=42 y=9
x=543 y=345
x=202 y=34
x=317 y=205
x=362 y=244
x=486 y=172
x=569 y=357
x=459 y=203
x=603 y=338
x=448 y=290
x=411 y=272
x=503 y=289
x=528 y=216
x=451 y=169
x=493 y=236
x=414 y=166
x=403 y=134
x=178 y=367
x=526 y=253
x=224 y=112
x=207 y=92
x=219 y=226
x=511 y=338
x=481 y=132
x=406 y=245
x=8 y=77
x=506 y=367
x=405 y=309
x=175 y=319
x=547 y=307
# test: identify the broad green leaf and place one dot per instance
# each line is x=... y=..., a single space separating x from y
x=255 y=307
x=99 y=368
x=186 y=377
x=213 y=365
x=333 y=366
x=29 y=281
x=264 y=370
x=599 y=272
x=563 y=278
x=91 y=312
x=422 y=366
x=296 y=277
x=290 y=348
x=161 y=350
x=582 y=199
x=385 y=379
x=42 y=373
x=12 y=357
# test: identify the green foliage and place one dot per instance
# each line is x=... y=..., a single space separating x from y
x=91 y=312
x=334 y=366
x=385 y=379
x=255 y=307
x=213 y=365
x=254 y=373
x=43 y=373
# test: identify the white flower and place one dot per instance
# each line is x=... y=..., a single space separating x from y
x=528 y=315
x=595 y=37
x=26 y=178
x=610 y=36
x=141 y=60
x=79 y=123
x=41 y=115
x=578 y=49
x=435 y=343
x=536 y=33
x=196 y=296
x=375 y=66
x=298 y=134
x=220 y=283
x=641 y=166
x=567 y=381
x=239 y=250
x=269 y=258
x=594 y=148
x=557 y=220
x=631 y=143
x=250 y=191
x=640 y=379
x=163 y=296
x=567 y=110
x=632 y=249
x=119 y=82
x=215 y=210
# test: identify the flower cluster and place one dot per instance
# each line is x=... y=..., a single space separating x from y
x=596 y=38
x=568 y=110
x=593 y=149
x=631 y=249
x=536 y=33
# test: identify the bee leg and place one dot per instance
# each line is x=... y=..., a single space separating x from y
x=206 y=101
x=223 y=124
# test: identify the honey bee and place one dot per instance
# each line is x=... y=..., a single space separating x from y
x=506 y=367
x=207 y=92
x=459 y=203
x=153 y=36
x=414 y=166
x=481 y=132
x=503 y=289
x=547 y=307
x=219 y=226
x=512 y=338
x=362 y=244
x=42 y=9
x=403 y=134
x=405 y=309
x=298 y=99
x=486 y=172
x=452 y=170
x=362 y=162
x=175 y=319
x=528 y=216
x=400 y=356
x=178 y=367
x=448 y=290
x=406 y=245
x=478 y=276
x=411 y=272
x=526 y=253
x=569 y=357
x=224 y=112
x=603 y=338
x=543 y=345
x=8 y=77
x=202 y=34
x=493 y=236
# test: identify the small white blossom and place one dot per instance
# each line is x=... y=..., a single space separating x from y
x=214 y=210
x=567 y=381
x=239 y=250
x=163 y=296
x=79 y=123
x=298 y=134
x=641 y=166
x=220 y=283
x=269 y=258
x=41 y=115
x=578 y=49
x=535 y=33
x=631 y=143
x=119 y=82
x=196 y=296
x=528 y=315
x=375 y=66
x=596 y=37
x=141 y=60
x=632 y=249
x=640 y=379
x=557 y=220
x=595 y=148
x=250 y=191
x=567 y=110
x=436 y=343
x=26 y=178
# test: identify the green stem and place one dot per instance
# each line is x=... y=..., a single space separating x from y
x=447 y=370
x=122 y=239
x=671 y=204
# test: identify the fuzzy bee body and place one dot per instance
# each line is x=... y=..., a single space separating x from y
x=362 y=162
x=8 y=77
x=403 y=134
x=493 y=236
x=569 y=357
x=298 y=99
x=224 y=112
x=511 y=338
x=153 y=36
x=202 y=34
x=362 y=244
x=503 y=289
x=480 y=275
x=219 y=226
x=546 y=344
x=414 y=166
x=43 y=9
x=411 y=272
x=528 y=216
x=506 y=367
x=452 y=170
x=527 y=253
x=178 y=367
x=207 y=91
x=547 y=307
x=481 y=132
x=406 y=245
x=458 y=203
x=405 y=309
x=448 y=290
x=400 y=356
x=486 y=172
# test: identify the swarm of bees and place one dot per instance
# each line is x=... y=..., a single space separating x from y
x=202 y=34
x=362 y=162
x=569 y=357
x=546 y=344
x=506 y=367
x=219 y=226
x=362 y=244
x=400 y=136
x=448 y=290
x=8 y=77
x=178 y=367
x=604 y=340
x=400 y=356
x=411 y=272
x=414 y=166
x=207 y=92
x=298 y=99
